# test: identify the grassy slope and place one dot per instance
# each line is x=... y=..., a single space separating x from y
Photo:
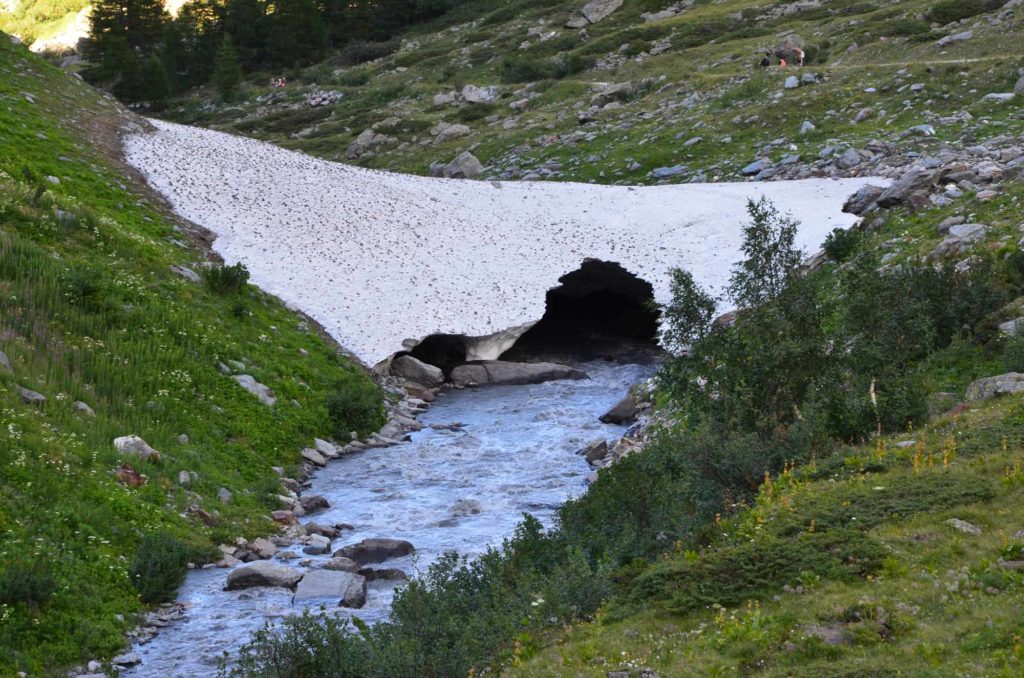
x=855 y=45
x=90 y=311
x=929 y=600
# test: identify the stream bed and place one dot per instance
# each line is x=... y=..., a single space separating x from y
x=463 y=491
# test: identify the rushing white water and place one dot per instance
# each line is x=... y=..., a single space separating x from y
x=444 y=490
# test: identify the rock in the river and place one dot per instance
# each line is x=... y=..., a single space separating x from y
x=375 y=550
x=386 y=574
x=314 y=502
x=322 y=530
x=341 y=564
x=261 y=391
x=263 y=548
x=1004 y=384
x=417 y=371
x=349 y=588
x=317 y=545
x=595 y=451
x=499 y=372
x=624 y=413
x=127 y=659
x=262 y=574
x=136 y=447
x=311 y=455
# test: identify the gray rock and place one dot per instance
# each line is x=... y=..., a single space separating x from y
x=375 y=550
x=322 y=530
x=224 y=495
x=346 y=587
x=30 y=397
x=385 y=574
x=127 y=659
x=963 y=526
x=999 y=97
x=595 y=451
x=792 y=82
x=863 y=114
x=414 y=370
x=326 y=448
x=186 y=273
x=956 y=37
x=917 y=179
x=317 y=545
x=807 y=127
x=263 y=548
x=83 y=409
x=262 y=574
x=989 y=387
x=341 y=564
x=136 y=447
x=666 y=172
x=314 y=502
x=849 y=159
x=479 y=95
x=961 y=236
x=464 y=166
x=598 y=10
x=756 y=167
x=921 y=131
x=184 y=479
x=5 y=362
x=1019 y=87
x=444 y=132
x=1012 y=327
x=311 y=455
x=862 y=200
x=261 y=391
x=499 y=372
x=624 y=413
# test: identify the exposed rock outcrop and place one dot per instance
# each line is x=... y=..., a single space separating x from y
x=501 y=373
x=375 y=550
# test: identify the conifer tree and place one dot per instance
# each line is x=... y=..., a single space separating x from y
x=227 y=74
x=298 y=35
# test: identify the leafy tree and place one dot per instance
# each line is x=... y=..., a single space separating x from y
x=771 y=257
x=227 y=74
x=687 y=318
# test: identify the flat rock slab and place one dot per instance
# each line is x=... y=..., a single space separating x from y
x=375 y=550
x=503 y=373
x=262 y=574
x=990 y=387
x=346 y=587
x=299 y=224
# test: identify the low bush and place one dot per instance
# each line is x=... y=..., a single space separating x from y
x=27 y=579
x=948 y=11
x=841 y=243
x=361 y=52
x=355 y=405
x=226 y=279
x=158 y=568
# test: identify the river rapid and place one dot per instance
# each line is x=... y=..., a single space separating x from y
x=444 y=490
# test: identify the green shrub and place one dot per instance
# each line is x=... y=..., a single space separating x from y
x=908 y=26
x=948 y=11
x=355 y=405
x=158 y=568
x=27 y=579
x=515 y=69
x=1013 y=353
x=226 y=279
x=841 y=244
x=361 y=52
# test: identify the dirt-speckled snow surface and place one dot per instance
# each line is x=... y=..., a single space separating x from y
x=377 y=257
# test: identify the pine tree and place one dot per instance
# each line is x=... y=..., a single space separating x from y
x=298 y=35
x=227 y=74
x=123 y=33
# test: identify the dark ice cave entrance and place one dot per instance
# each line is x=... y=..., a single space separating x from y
x=599 y=311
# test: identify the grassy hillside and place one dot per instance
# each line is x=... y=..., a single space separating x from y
x=91 y=312
x=696 y=98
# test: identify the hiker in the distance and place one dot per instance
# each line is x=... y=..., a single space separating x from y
x=799 y=57
x=766 y=61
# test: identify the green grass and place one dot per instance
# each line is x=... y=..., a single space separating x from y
x=90 y=311
x=908 y=596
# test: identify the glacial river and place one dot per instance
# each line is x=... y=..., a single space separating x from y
x=442 y=491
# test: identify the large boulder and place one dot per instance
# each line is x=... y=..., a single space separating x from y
x=262 y=574
x=417 y=371
x=30 y=397
x=862 y=200
x=500 y=372
x=136 y=447
x=340 y=564
x=261 y=391
x=595 y=451
x=346 y=587
x=5 y=362
x=1003 y=384
x=624 y=413
x=599 y=10
x=464 y=166
x=375 y=550
x=479 y=95
x=911 y=182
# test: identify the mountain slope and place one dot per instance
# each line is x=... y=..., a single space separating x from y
x=92 y=312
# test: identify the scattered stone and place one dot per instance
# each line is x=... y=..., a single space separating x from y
x=136 y=447
x=792 y=82
x=323 y=98
x=623 y=413
x=807 y=127
x=30 y=397
x=990 y=387
x=186 y=273
x=347 y=587
x=311 y=455
x=224 y=494
x=1012 y=327
x=479 y=95
x=127 y=659
x=317 y=545
x=444 y=132
x=375 y=550
x=261 y=391
x=963 y=526
x=263 y=548
x=5 y=362
x=499 y=372
x=322 y=530
x=756 y=167
x=184 y=479
x=408 y=367
x=284 y=517
x=593 y=12
x=999 y=97
x=341 y=564
x=83 y=409
x=314 y=503
x=385 y=574
x=849 y=159
x=956 y=37
x=262 y=574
